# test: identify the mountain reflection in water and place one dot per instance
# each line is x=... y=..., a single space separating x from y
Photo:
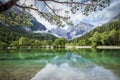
x=73 y=67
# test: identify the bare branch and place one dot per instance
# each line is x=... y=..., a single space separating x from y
x=66 y=2
x=53 y=11
x=86 y=7
x=29 y=7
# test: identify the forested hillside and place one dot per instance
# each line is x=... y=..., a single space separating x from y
x=107 y=34
x=10 y=34
x=18 y=32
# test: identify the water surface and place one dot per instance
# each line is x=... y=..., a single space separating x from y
x=80 y=64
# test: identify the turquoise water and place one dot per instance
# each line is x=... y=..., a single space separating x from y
x=80 y=64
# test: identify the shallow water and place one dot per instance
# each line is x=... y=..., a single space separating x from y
x=83 y=64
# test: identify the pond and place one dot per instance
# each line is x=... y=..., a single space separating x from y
x=77 y=64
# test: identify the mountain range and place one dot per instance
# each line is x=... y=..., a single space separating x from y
x=69 y=33
x=72 y=31
x=75 y=31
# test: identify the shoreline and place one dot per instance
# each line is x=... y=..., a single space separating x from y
x=108 y=47
x=66 y=47
x=89 y=47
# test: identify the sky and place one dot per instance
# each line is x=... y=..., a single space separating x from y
x=95 y=18
x=102 y=17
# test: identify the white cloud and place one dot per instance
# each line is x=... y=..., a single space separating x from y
x=101 y=17
x=77 y=18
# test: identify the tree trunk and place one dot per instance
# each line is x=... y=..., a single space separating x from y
x=7 y=5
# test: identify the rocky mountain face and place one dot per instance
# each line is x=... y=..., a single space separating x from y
x=69 y=33
x=73 y=31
